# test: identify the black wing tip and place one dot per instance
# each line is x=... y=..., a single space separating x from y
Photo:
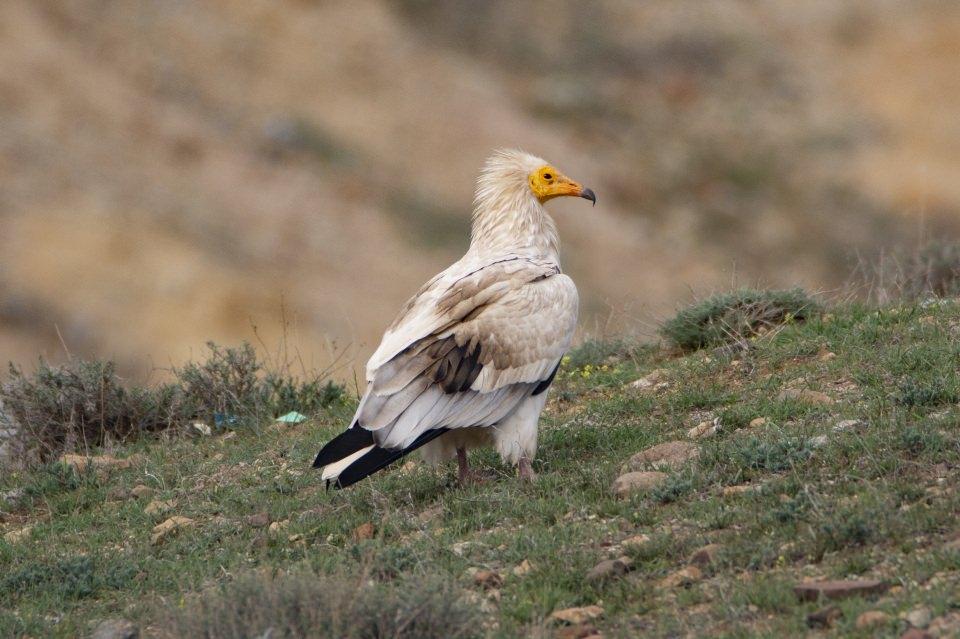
x=380 y=458
x=545 y=384
x=346 y=443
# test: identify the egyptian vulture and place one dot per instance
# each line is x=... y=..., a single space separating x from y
x=470 y=357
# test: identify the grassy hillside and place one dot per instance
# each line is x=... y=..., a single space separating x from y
x=821 y=450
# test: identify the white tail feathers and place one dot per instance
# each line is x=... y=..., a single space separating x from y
x=332 y=471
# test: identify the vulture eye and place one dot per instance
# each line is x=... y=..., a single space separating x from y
x=547 y=176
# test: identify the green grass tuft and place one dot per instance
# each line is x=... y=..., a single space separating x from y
x=733 y=318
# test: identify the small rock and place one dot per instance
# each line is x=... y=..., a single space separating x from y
x=430 y=514
x=363 y=532
x=258 y=520
x=848 y=424
x=115 y=629
x=757 y=422
x=158 y=506
x=14 y=536
x=732 y=491
x=705 y=556
x=581 y=631
x=824 y=617
x=946 y=626
x=636 y=541
x=826 y=356
x=916 y=633
x=118 y=493
x=609 y=569
x=142 y=492
x=230 y=434
x=277 y=526
x=813 y=590
x=818 y=441
x=651 y=380
x=683 y=577
x=704 y=429
x=666 y=455
x=461 y=547
x=805 y=395
x=12 y=496
x=199 y=429
x=638 y=482
x=487 y=579
x=872 y=618
x=919 y=617
x=82 y=462
x=168 y=527
x=577 y=616
x=523 y=568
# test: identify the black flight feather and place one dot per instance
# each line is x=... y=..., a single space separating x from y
x=344 y=444
x=380 y=457
x=545 y=384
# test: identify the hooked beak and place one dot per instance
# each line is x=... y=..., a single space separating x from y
x=566 y=186
x=588 y=194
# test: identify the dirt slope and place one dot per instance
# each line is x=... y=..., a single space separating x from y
x=176 y=172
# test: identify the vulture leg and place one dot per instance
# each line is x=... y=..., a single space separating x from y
x=467 y=475
x=463 y=468
x=525 y=466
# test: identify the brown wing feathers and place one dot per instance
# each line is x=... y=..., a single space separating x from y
x=459 y=368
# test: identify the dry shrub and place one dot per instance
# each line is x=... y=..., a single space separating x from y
x=78 y=405
x=304 y=604
x=232 y=386
x=934 y=270
x=930 y=271
x=84 y=404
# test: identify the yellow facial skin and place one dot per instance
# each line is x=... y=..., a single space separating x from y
x=547 y=183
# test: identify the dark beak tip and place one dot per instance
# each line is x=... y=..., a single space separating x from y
x=588 y=194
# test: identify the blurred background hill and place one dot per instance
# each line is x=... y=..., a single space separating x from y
x=173 y=172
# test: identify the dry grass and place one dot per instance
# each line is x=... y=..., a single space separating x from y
x=84 y=404
x=931 y=270
x=302 y=604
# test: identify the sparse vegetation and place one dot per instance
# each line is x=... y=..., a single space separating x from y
x=734 y=318
x=597 y=352
x=934 y=271
x=853 y=481
x=302 y=604
x=83 y=405
x=232 y=386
